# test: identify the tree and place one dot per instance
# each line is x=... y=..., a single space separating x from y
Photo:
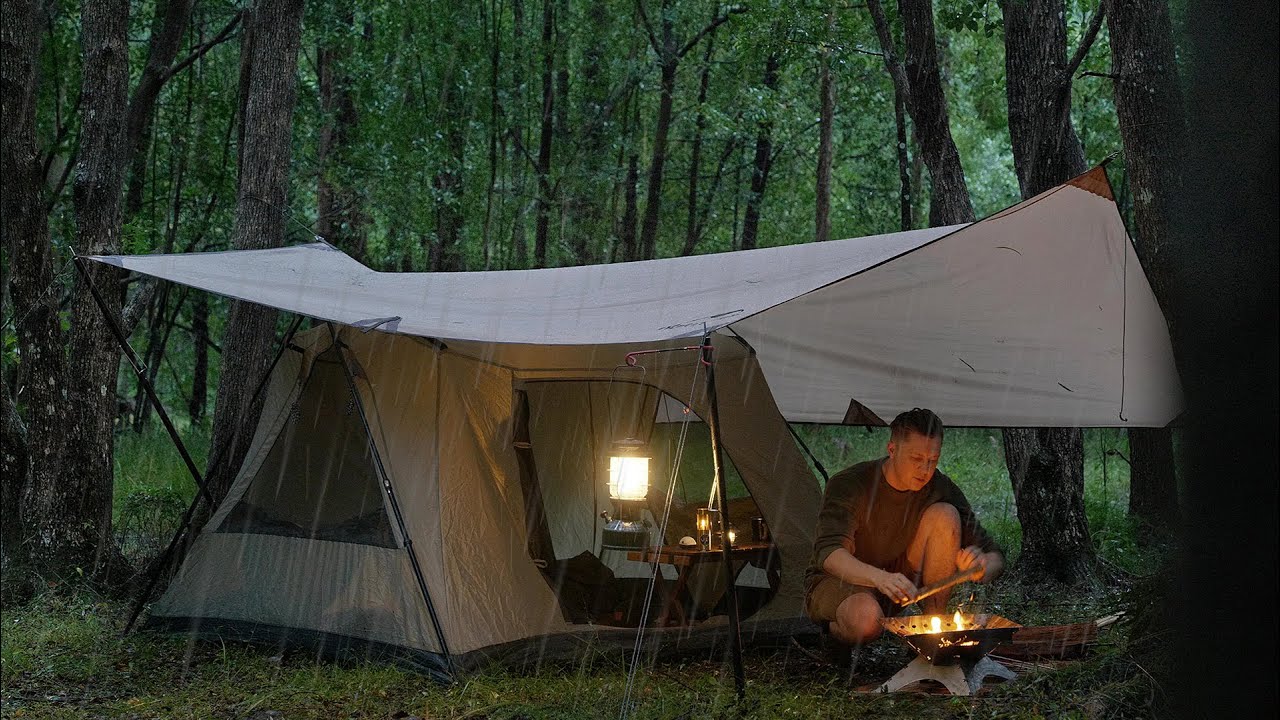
x=1046 y=465
x=763 y=160
x=670 y=52
x=28 y=297
x=1148 y=101
x=269 y=61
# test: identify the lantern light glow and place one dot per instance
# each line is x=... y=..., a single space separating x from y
x=628 y=477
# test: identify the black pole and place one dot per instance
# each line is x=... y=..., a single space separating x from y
x=713 y=423
x=167 y=559
x=395 y=504
x=140 y=371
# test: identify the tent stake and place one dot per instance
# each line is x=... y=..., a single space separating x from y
x=713 y=423
x=167 y=558
x=395 y=504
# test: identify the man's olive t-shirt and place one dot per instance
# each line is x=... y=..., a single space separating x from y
x=875 y=522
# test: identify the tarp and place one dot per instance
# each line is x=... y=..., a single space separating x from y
x=1039 y=315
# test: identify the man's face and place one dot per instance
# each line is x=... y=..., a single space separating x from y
x=912 y=460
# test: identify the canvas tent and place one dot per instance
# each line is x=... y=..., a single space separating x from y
x=1037 y=316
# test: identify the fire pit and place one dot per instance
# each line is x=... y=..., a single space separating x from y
x=952 y=650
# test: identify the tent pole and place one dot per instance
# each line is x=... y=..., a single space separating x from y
x=168 y=558
x=395 y=504
x=713 y=423
x=140 y=371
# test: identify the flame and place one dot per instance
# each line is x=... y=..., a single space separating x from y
x=936 y=622
x=959 y=621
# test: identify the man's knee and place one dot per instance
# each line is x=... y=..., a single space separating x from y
x=941 y=518
x=858 y=619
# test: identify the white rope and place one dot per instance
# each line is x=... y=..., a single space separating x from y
x=662 y=533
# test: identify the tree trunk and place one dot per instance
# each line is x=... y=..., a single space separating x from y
x=166 y=38
x=1225 y=294
x=1148 y=101
x=691 y=233
x=901 y=92
x=826 y=127
x=25 y=235
x=340 y=217
x=542 y=220
x=1153 y=486
x=1045 y=465
x=200 y=372
x=593 y=218
x=1046 y=151
x=519 y=237
x=75 y=515
x=949 y=202
x=268 y=99
x=495 y=57
x=630 y=211
x=762 y=163
x=658 y=160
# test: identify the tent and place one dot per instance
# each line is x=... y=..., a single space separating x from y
x=480 y=399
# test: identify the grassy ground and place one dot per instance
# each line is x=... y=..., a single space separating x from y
x=63 y=657
x=66 y=659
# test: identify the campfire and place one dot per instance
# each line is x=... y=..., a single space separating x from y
x=952 y=649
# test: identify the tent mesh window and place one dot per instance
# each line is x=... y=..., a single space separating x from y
x=318 y=480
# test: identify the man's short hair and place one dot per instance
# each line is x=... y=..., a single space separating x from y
x=917 y=420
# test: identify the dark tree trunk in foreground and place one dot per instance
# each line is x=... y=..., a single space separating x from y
x=25 y=234
x=1225 y=293
x=761 y=164
x=1046 y=465
x=927 y=105
x=275 y=30
x=1148 y=101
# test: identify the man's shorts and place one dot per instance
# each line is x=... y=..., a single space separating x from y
x=824 y=594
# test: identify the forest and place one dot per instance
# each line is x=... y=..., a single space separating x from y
x=440 y=137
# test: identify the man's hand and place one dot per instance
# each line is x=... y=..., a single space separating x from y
x=970 y=557
x=895 y=586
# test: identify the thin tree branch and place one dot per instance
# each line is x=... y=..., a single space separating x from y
x=896 y=72
x=222 y=36
x=648 y=29
x=720 y=20
x=1086 y=42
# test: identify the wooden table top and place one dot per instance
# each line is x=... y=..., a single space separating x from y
x=679 y=555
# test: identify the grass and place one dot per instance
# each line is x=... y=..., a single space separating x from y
x=63 y=657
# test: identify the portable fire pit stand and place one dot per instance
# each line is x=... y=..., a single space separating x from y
x=957 y=658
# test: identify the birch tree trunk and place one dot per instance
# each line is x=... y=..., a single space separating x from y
x=274 y=27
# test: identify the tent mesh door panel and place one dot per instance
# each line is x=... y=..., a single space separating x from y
x=318 y=481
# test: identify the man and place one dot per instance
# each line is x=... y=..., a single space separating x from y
x=888 y=525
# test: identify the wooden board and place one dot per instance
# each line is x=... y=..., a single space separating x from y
x=1050 y=641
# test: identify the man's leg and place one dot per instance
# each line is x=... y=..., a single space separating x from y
x=857 y=619
x=932 y=553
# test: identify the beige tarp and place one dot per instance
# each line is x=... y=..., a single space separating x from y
x=1037 y=316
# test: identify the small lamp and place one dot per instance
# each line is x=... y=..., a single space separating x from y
x=628 y=487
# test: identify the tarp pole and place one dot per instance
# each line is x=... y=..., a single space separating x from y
x=140 y=371
x=395 y=504
x=167 y=558
x=726 y=552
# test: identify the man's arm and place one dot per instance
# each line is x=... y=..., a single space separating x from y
x=843 y=565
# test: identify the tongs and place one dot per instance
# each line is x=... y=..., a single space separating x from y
x=971 y=573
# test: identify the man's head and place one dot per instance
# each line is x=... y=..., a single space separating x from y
x=915 y=445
